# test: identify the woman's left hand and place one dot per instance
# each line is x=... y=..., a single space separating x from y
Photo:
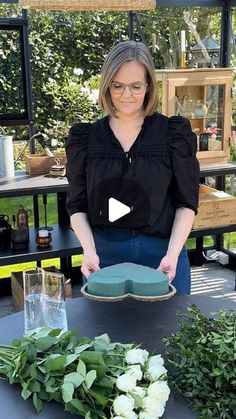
x=168 y=265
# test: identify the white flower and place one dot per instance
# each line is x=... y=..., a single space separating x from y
x=85 y=90
x=78 y=71
x=135 y=371
x=153 y=407
x=155 y=360
x=123 y=405
x=95 y=95
x=159 y=391
x=136 y=356
x=140 y=391
x=126 y=382
x=143 y=415
x=154 y=372
x=130 y=415
x=73 y=84
x=53 y=142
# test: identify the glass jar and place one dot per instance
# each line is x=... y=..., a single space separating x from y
x=43 y=238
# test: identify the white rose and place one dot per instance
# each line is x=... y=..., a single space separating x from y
x=159 y=391
x=130 y=415
x=155 y=372
x=123 y=405
x=136 y=356
x=153 y=407
x=143 y=415
x=140 y=391
x=155 y=360
x=135 y=371
x=126 y=382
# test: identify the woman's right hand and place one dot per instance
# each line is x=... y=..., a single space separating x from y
x=90 y=263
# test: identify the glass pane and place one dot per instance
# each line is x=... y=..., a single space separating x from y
x=11 y=78
x=203 y=106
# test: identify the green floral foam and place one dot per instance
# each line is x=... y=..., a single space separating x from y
x=124 y=278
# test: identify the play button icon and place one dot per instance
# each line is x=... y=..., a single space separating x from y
x=117 y=209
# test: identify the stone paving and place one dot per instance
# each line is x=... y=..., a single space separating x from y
x=211 y=279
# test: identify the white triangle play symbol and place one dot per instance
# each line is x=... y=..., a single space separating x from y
x=116 y=209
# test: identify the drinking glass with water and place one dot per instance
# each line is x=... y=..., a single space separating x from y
x=44 y=300
x=33 y=280
x=53 y=301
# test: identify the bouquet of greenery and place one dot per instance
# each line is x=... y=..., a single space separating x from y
x=201 y=358
x=94 y=378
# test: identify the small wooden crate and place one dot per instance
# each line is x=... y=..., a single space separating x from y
x=38 y=164
x=18 y=291
x=216 y=208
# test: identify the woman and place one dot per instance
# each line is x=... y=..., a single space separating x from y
x=143 y=160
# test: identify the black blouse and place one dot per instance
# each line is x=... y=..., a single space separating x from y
x=158 y=174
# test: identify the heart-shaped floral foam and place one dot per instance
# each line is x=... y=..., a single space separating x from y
x=127 y=278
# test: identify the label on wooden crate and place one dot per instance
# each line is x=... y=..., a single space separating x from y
x=216 y=208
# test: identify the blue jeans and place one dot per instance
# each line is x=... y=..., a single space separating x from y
x=115 y=245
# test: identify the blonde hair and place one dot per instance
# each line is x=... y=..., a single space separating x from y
x=122 y=53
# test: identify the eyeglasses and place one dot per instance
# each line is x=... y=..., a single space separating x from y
x=135 y=88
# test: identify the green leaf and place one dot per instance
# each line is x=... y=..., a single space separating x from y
x=100 y=370
x=106 y=383
x=90 y=378
x=33 y=370
x=54 y=332
x=34 y=387
x=37 y=403
x=67 y=392
x=26 y=393
x=81 y=368
x=43 y=331
x=75 y=406
x=82 y=348
x=71 y=358
x=32 y=352
x=55 y=362
x=137 y=400
x=98 y=397
x=217 y=371
x=92 y=358
x=44 y=343
x=103 y=338
x=75 y=378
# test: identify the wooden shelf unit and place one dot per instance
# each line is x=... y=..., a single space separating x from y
x=196 y=86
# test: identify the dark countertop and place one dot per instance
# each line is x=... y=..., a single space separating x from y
x=126 y=321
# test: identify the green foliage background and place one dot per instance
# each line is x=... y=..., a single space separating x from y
x=61 y=42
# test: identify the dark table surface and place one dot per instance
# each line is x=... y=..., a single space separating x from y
x=64 y=243
x=23 y=184
x=126 y=321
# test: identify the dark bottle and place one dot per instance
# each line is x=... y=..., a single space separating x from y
x=5 y=231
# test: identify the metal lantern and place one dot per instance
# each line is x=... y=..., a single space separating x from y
x=210 y=58
x=87 y=5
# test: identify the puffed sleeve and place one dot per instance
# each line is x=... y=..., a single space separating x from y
x=76 y=150
x=182 y=143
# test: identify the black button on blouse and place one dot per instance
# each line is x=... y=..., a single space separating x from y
x=158 y=174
